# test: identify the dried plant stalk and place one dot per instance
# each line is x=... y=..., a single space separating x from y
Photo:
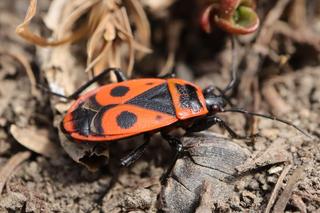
x=11 y=165
x=24 y=31
x=106 y=26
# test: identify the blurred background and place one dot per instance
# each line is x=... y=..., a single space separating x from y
x=63 y=43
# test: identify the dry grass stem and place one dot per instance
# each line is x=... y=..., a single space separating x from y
x=277 y=188
x=11 y=165
x=286 y=194
x=104 y=23
x=278 y=105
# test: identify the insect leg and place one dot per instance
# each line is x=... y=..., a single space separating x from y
x=119 y=74
x=136 y=153
x=175 y=143
x=93 y=80
x=202 y=124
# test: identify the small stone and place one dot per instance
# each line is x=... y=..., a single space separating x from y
x=248 y=197
x=139 y=199
x=253 y=185
x=275 y=169
x=272 y=179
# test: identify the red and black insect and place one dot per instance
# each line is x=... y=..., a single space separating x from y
x=144 y=106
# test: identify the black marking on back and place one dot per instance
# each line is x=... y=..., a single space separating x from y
x=189 y=97
x=157 y=98
x=81 y=118
x=119 y=91
x=97 y=122
x=126 y=119
x=93 y=104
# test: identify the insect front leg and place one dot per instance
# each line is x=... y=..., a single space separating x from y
x=176 y=144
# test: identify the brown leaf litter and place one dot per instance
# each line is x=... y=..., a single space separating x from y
x=35 y=139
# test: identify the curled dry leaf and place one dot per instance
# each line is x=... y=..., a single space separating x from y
x=37 y=140
x=111 y=42
x=7 y=169
x=24 y=31
x=211 y=160
x=275 y=154
x=91 y=155
x=22 y=59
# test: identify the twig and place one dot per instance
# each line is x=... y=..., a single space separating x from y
x=301 y=35
x=267 y=30
x=258 y=53
x=298 y=202
x=173 y=44
x=11 y=165
x=277 y=187
x=308 y=196
x=278 y=105
x=275 y=154
x=286 y=194
x=206 y=201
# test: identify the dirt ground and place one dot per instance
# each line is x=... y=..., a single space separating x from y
x=279 y=72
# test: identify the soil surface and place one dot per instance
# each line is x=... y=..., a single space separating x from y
x=276 y=171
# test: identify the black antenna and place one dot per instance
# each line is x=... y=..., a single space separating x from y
x=234 y=69
x=268 y=117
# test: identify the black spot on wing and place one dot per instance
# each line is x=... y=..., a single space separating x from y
x=119 y=91
x=189 y=97
x=157 y=98
x=126 y=119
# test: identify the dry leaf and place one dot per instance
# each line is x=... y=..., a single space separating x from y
x=35 y=139
x=24 y=31
x=22 y=59
x=111 y=42
x=91 y=155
